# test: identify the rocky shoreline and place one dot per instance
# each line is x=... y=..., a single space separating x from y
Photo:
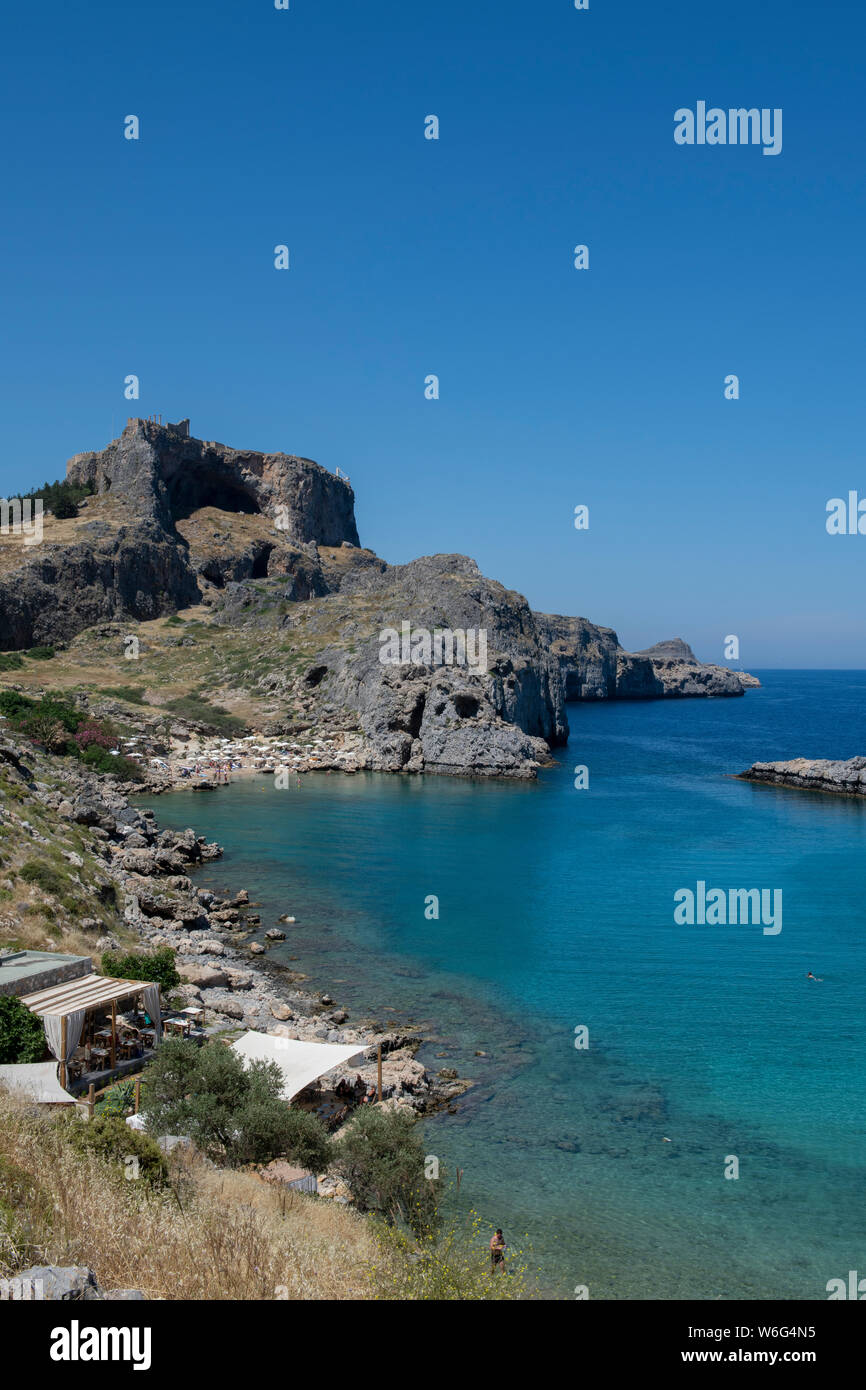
x=221 y=947
x=840 y=778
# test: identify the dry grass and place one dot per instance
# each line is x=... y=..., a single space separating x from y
x=110 y=511
x=213 y=1235
x=22 y=930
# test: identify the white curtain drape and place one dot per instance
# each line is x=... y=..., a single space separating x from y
x=54 y=1033
x=150 y=999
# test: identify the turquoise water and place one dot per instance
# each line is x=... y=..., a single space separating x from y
x=556 y=910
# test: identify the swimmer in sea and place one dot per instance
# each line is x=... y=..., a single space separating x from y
x=817 y=978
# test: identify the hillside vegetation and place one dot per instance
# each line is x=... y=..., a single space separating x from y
x=213 y=1233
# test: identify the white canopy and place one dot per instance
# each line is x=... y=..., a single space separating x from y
x=86 y=992
x=301 y=1063
x=35 y=1081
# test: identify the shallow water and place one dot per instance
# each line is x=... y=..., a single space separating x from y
x=556 y=910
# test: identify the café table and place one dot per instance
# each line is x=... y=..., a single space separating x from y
x=177 y=1025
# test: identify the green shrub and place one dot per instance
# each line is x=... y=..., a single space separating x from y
x=117 y=1100
x=22 y=1035
x=10 y=661
x=307 y=1142
x=45 y=729
x=57 y=707
x=101 y=760
x=44 y=876
x=157 y=967
x=41 y=653
x=130 y=693
x=233 y=1113
x=14 y=705
x=380 y=1157
x=64 y=508
x=199 y=709
x=110 y=1138
x=53 y=722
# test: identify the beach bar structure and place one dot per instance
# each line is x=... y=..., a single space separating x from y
x=63 y=1009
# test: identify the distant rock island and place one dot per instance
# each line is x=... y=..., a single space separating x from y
x=266 y=548
x=843 y=778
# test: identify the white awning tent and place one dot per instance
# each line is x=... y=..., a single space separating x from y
x=87 y=992
x=35 y=1081
x=301 y=1063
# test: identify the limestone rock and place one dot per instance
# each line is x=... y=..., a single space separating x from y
x=205 y=976
x=844 y=778
x=682 y=675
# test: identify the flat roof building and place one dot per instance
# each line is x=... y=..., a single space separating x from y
x=25 y=972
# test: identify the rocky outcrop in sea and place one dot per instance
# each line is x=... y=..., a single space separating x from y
x=842 y=778
x=682 y=675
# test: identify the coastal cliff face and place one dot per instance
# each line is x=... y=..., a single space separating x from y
x=682 y=675
x=594 y=666
x=448 y=718
x=843 y=778
x=265 y=548
x=496 y=718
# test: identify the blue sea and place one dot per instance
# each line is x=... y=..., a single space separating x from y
x=556 y=912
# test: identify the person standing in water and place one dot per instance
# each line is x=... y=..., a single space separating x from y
x=497 y=1252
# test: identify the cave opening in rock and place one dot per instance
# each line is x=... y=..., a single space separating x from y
x=416 y=717
x=194 y=487
x=467 y=706
x=212 y=571
x=260 y=563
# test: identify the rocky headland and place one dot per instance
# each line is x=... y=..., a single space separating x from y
x=261 y=554
x=842 y=778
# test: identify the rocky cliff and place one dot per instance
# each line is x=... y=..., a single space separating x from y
x=171 y=516
x=167 y=474
x=441 y=716
x=134 y=571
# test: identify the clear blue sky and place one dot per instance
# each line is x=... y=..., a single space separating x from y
x=454 y=257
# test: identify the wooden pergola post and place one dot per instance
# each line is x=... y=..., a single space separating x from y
x=91 y=1100
x=63 y=1052
x=113 y=1034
